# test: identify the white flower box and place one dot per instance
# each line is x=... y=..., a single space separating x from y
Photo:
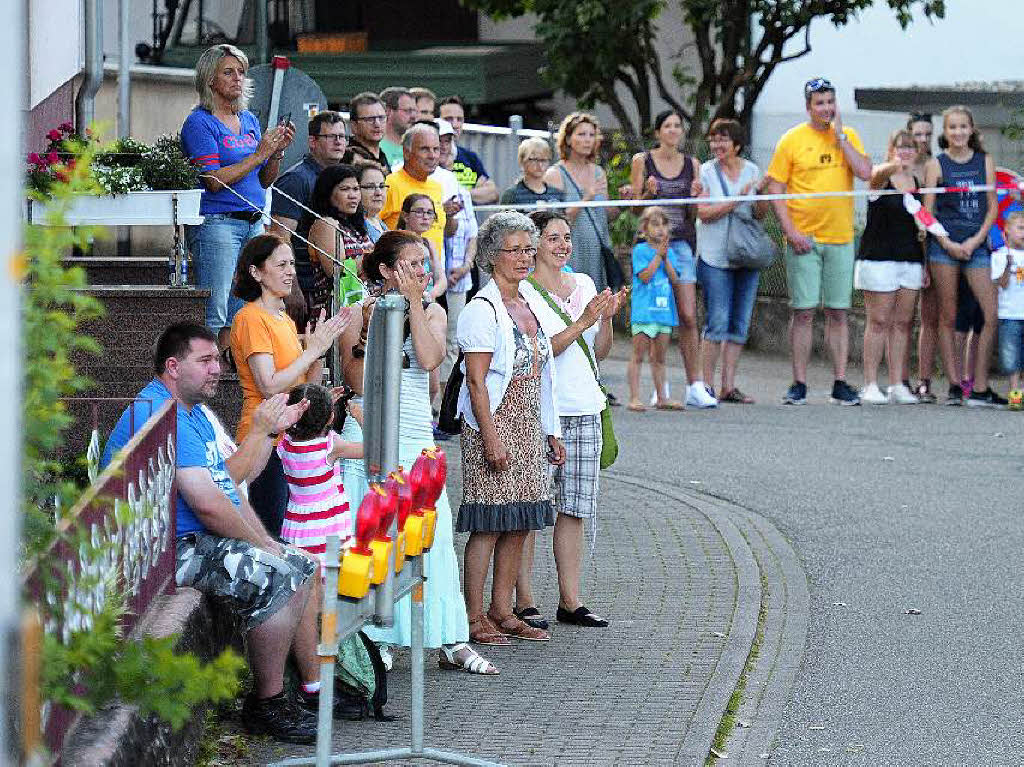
x=132 y=209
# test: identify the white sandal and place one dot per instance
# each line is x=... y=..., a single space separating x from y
x=472 y=663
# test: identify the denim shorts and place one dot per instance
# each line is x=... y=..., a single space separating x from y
x=685 y=264
x=729 y=296
x=215 y=245
x=1011 y=346
x=980 y=258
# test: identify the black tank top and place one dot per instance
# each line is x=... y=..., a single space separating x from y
x=680 y=186
x=890 y=233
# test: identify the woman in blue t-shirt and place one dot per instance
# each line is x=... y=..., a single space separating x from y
x=967 y=217
x=237 y=164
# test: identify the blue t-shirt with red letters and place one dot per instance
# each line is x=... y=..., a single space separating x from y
x=212 y=145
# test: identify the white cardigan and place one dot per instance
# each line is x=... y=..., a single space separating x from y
x=482 y=330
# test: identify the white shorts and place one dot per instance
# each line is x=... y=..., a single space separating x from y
x=887 y=276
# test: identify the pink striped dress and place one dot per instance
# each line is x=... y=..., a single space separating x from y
x=317 y=504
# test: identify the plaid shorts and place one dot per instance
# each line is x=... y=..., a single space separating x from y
x=576 y=482
x=255 y=583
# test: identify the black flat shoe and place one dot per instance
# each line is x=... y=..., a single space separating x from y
x=531 y=617
x=581 y=616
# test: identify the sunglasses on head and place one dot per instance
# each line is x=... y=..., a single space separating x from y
x=920 y=117
x=818 y=84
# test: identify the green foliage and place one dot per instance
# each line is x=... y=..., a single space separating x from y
x=599 y=49
x=166 y=166
x=146 y=673
x=623 y=228
x=53 y=307
x=126 y=165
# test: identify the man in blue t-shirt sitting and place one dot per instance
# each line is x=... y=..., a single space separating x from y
x=222 y=548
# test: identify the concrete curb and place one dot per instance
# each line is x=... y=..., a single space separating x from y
x=704 y=723
x=786 y=601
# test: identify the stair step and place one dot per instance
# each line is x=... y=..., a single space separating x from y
x=113 y=270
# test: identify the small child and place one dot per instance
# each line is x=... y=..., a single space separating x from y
x=309 y=452
x=1008 y=274
x=653 y=307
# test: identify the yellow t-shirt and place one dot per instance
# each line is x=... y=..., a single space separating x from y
x=809 y=160
x=256 y=331
x=401 y=185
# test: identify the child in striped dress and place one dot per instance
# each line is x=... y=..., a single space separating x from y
x=309 y=452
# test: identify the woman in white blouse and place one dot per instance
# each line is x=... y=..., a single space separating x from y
x=510 y=429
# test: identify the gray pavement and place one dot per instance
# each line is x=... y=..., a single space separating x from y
x=849 y=517
x=889 y=509
x=650 y=689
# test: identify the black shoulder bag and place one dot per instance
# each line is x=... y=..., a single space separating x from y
x=612 y=268
x=447 y=420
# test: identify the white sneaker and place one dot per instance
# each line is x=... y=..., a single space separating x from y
x=872 y=395
x=698 y=396
x=901 y=395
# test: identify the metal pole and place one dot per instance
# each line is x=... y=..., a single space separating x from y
x=85 y=101
x=12 y=40
x=393 y=306
x=124 y=82
x=416 y=657
x=260 y=30
x=328 y=652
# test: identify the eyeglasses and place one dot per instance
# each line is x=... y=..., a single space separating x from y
x=373 y=187
x=370 y=119
x=537 y=159
x=422 y=212
x=331 y=136
x=817 y=85
x=518 y=251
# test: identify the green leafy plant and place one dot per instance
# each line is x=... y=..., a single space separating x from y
x=605 y=51
x=94 y=663
x=126 y=165
x=618 y=166
x=147 y=673
x=166 y=166
x=53 y=308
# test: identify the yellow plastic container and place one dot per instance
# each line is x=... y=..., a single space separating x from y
x=429 y=526
x=381 y=551
x=413 y=535
x=399 y=552
x=356 y=574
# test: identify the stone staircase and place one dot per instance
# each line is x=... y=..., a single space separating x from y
x=139 y=305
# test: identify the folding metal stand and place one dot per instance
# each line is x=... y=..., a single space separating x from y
x=343 y=617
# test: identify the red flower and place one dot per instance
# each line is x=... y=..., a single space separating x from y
x=34 y=158
x=55 y=135
x=52 y=158
x=66 y=127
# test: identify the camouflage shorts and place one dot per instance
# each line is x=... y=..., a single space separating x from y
x=255 y=583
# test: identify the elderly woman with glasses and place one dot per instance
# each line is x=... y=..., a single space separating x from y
x=237 y=163
x=510 y=428
x=534 y=160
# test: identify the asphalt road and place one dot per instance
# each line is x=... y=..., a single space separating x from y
x=890 y=509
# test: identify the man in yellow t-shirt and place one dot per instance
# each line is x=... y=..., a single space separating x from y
x=818 y=156
x=421 y=152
